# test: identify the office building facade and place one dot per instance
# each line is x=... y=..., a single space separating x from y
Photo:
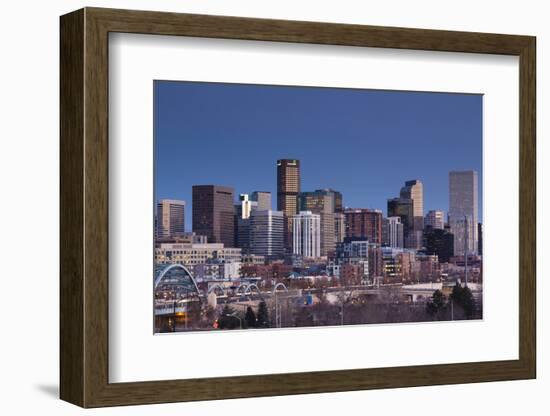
x=339 y=227
x=403 y=208
x=435 y=219
x=266 y=233
x=288 y=188
x=262 y=200
x=414 y=190
x=364 y=223
x=463 y=211
x=194 y=254
x=352 y=252
x=323 y=203
x=306 y=234
x=170 y=218
x=245 y=206
x=392 y=232
x=214 y=213
x=439 y=242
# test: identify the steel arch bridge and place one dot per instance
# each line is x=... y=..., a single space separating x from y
x=215 y=287
x=164 y=273
x=248 y=289
x=277 y=286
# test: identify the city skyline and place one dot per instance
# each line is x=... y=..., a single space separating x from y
x=308 y=207
x=361 y=184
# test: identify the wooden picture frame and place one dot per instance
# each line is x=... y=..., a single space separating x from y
x=84 y=207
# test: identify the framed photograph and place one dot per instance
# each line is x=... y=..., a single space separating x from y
x=255 y=207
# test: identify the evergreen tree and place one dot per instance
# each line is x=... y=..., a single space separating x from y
x=226 y=321
x=263 y=318
x=463 y=297
x=468 y=303
x=436 y=303
x=250 y=318
x=457 y=292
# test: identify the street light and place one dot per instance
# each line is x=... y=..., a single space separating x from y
x=234 y=315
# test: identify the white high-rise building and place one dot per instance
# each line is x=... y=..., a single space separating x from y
x=306 y=234
x=170 y=218
x=266 y=233
x=463 y=211
x=393 y=232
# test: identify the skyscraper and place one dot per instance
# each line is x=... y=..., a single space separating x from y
x=338 y=202
x=414 y=190
x=306 y=234
x=393 y=232
x=213 y=213
x=435 y=219
x=288 y=188
x=267 y=233
x=364 y=223
x=242 y=222
x=262 y=198
x=463 y=211
x=402 y=208
x=242 y=234
x=170 y=218
x=339 y=227
x=245 y=206
x=440 y=242
x=322 y=202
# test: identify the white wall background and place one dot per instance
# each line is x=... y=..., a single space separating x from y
x=29 y=157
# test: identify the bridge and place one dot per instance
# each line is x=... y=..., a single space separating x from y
x=179 y=281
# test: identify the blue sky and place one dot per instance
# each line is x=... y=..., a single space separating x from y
x=363 y=143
